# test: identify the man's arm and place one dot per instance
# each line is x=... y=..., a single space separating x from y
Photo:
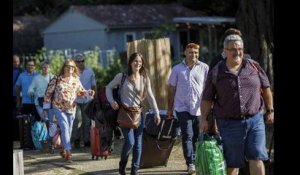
x=205 y=110
x=268 y=100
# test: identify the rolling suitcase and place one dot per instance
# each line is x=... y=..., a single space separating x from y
x=155 y=152
x=95 y=141
x=97 y=150
x=106 y=140
x=165 y=130
x=25 y=123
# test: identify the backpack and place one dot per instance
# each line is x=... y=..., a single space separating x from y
x=39 y=134
x=209 y=155
x=110 y=115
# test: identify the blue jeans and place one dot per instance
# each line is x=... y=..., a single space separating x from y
x=65 y=122
x=243 y=140
x=189 y=125
x=133 y=141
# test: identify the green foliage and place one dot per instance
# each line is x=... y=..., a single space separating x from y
x=103 y=76
x=56 y=59
x=114 y=67
x=161 y=31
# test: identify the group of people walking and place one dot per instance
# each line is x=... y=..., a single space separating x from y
x=236 y=89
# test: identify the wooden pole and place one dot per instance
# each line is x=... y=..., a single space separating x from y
x=157 y=56
x=18 y=162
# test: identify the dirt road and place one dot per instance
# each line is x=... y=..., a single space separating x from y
x=37 y=163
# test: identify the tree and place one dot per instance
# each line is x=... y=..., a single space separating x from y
x=255 y=19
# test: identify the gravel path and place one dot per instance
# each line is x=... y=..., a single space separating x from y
x=37 y=163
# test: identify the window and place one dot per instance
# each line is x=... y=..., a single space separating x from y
x=128 y=37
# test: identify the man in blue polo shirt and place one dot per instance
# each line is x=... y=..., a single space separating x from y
x=26 y=103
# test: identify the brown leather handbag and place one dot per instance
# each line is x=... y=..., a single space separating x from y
x=129 y=117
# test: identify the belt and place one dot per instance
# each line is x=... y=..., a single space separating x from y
x=241 y=117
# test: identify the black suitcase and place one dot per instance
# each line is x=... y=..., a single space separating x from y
x=25 y=123
x=165 y=130
x=155 y=152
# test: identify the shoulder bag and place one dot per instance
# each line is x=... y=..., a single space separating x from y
x=129 y=117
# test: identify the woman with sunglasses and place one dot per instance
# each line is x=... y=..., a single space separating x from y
x=61 y=94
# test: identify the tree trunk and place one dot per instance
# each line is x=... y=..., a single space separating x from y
x=255 y=19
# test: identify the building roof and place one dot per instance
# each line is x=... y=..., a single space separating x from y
x=214 y=20
x=140 y=15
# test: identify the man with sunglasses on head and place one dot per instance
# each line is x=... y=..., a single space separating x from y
x=81 y=126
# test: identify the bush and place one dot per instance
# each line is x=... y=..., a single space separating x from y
x=103 y=76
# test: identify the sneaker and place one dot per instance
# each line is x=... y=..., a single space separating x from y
x=191 y=169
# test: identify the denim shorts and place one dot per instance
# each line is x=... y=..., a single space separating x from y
x=243 y=140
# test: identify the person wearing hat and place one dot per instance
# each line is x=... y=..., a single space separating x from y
x=39 y=85
x=81 y=126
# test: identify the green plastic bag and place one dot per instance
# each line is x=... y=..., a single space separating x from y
x=209 y=155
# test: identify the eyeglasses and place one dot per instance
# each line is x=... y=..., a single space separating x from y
x=80 y=61
x=30 y=65
x=235 y=50
x=70 y=66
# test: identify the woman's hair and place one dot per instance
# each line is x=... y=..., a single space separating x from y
x=69 y=62
x=143 y=70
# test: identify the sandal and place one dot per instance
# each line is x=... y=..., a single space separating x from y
x=69 y=158
x=63 y=154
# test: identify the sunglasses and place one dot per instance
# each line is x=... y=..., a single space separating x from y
x=80 y=61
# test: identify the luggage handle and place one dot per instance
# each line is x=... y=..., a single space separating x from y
x=93 y=124
x=160 y=148
x=162 y=126
x=160 y=131
x=170 y=127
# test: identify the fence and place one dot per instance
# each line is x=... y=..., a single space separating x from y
x=158 y=62
x=104 y=56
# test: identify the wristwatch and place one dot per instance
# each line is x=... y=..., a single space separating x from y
x=269 y=110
